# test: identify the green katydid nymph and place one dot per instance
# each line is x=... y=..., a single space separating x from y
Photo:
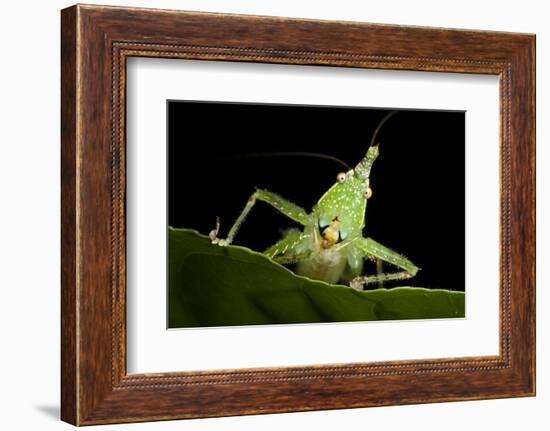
x=331 y=246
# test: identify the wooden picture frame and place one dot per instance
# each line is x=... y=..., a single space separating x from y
x=95 y=43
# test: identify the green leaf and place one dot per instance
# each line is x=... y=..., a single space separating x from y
x=211 y=285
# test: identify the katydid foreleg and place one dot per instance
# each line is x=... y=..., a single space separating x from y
x=289 y=209
x=371 y=248
x=293 y=247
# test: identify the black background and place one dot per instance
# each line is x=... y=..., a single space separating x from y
x=418 y=181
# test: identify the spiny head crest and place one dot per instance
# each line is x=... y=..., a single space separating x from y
x=365 y=165
x=363 y=168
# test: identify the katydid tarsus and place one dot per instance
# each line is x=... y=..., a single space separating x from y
x=331 y=246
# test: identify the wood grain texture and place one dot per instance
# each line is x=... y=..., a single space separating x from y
x=96 y=41
x=69 y=397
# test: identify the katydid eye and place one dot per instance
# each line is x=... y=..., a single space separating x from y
x=368 y=193
x=341 y=177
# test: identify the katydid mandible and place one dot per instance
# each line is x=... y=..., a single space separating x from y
x=330 y=246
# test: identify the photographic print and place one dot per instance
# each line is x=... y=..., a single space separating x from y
x=286 y=214
x=291 y=219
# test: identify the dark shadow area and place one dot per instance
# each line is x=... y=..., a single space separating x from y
x=52 y=411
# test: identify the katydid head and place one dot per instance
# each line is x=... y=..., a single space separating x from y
x=341 y=210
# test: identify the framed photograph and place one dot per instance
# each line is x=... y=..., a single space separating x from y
x=264 y=214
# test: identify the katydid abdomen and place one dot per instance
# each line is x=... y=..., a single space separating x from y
x=325 y=265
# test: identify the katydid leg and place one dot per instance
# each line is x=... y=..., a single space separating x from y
x=371 y=248
x=291 y=248
x=289 y=209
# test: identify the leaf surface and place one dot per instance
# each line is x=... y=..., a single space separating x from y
x=211 y=285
